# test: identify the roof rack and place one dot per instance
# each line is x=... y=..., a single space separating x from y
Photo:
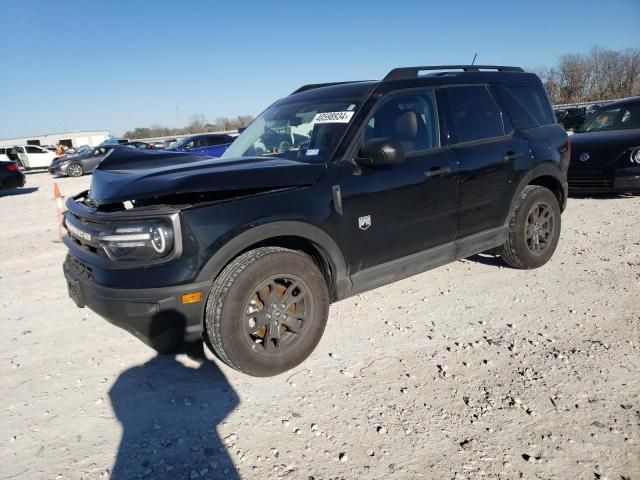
x=312 y=86
x=413 y=72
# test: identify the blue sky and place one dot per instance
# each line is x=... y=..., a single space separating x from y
x=80 y=65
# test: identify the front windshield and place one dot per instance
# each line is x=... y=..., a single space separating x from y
x=601 y=120
x=305 y=131
x=177 y=144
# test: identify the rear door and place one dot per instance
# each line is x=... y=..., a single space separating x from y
x=486 y=155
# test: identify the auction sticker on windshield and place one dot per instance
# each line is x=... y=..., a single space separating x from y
x=333 y=117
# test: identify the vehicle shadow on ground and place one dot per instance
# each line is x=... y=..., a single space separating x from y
x=18 y=191
x=487 y=259
x=169 y=414
x=602 y=196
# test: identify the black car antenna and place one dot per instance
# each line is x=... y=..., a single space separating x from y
x=474 y=58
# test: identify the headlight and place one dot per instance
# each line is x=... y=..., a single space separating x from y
x=140 y=241
x=635 y=155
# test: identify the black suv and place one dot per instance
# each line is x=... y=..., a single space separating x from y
x=334 y=190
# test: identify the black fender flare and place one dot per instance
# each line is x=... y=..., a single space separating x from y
x=543 y=170
x=261 y=233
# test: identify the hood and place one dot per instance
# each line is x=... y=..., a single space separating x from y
x=604 y=147
x=128 y=174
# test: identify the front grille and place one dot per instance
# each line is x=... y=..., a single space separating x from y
x=79 y=268
x=85 y=233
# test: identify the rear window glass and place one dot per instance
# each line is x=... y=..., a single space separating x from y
x=476 y=114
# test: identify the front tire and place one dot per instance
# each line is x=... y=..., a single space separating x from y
x=534 y=229
x=267 y=311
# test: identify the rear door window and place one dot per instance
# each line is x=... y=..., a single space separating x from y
x=476 y=114
x=214 y=140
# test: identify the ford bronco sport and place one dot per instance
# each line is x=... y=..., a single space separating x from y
x=334 y=190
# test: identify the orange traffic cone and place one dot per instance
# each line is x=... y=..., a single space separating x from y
x=57 y=196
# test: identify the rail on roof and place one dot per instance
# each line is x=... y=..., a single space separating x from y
x=312 y=86
x=414 y=72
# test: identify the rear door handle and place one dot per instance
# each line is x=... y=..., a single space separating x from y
x=510 y=156
x=437 y=171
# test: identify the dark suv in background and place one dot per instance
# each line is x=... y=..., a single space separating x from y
x=333 y=190
x=605 y=153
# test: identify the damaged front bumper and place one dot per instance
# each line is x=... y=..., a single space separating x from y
x=157 y=300
x=157 y=316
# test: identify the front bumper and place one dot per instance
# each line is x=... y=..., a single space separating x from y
x=156 y=316
x=617 y=183
x=58 y=170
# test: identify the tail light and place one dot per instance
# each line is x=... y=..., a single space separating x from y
x=12 y=167
x=565 y=151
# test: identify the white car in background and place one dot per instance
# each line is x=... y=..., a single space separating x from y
x=29 y=156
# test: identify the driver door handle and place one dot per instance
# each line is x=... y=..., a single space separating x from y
x=437 y=171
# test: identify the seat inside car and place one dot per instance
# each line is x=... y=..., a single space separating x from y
x=406 y=126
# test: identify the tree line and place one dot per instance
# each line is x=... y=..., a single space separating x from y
x=197 y=124
x=600 y=74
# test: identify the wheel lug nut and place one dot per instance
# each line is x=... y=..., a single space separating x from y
x=283 y=306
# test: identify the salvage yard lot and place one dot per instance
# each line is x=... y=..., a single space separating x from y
x=473 y=370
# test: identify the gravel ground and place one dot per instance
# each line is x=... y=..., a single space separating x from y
x=471 y=371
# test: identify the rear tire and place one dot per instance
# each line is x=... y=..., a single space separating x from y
x=534 y=229
x=75 y=170
x=267 y=311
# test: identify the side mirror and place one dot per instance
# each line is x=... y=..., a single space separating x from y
x=380 y=151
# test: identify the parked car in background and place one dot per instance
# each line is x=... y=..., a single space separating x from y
x=114 y=141
x=209 y=144
x=10 y=175
x=571 y=118
x=605 y=152
x=28 y=156
x=138 y=145
x=78 y=165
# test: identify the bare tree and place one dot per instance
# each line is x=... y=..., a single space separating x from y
x=600 y=74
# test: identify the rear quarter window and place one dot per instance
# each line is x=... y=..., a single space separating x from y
x=528 y=107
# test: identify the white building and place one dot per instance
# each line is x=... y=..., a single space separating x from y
x=69 y=139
